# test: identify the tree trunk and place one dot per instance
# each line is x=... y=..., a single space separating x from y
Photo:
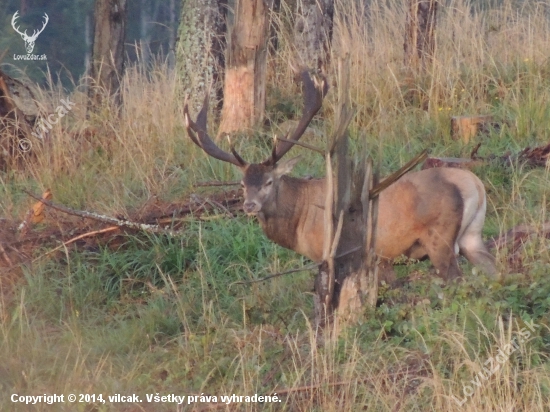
x=144 y=19
x=199 y=50
x=107 y=66
x=348 y=277
x=419 y=42
x=18 y=115
x=313 y=32
x=245 y=75
x=89 y=44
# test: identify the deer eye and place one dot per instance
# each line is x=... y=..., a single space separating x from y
x=269 y=182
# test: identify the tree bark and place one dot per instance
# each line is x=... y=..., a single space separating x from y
x=200 y=50
x=245 y=75
x=18 y=115
x=144 y=19
x=107 y=66
x=172 y=34
x=313 y=32
x=419 y=42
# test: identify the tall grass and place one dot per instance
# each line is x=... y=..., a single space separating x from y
x=166 y=315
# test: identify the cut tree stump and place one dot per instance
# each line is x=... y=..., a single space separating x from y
x=466 y=127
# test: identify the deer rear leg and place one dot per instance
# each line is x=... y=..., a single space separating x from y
x=441 y=252
x=445 y=264
x=386 y=273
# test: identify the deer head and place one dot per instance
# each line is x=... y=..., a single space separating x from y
x=29 y=40
x=260 y=180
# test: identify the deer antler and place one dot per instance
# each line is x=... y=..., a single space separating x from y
x=313 y=99
x=197 y=133
x=314 y=92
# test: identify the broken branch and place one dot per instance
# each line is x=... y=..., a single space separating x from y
x=307 y=146
x=398 y=174
x=106 y=219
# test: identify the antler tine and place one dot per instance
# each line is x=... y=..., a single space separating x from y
x=237 y=156
x=197 y=133
x=274 y=149
x=313 y=100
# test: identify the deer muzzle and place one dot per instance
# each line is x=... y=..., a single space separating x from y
x=251 y=207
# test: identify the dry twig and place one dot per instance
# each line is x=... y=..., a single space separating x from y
x=74 y=239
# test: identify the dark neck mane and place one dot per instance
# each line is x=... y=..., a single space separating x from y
x=280 y=221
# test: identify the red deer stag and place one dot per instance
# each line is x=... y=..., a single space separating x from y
x=433 y=213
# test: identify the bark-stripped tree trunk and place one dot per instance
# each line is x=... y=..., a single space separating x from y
x=107 y=66
x=245 y=75
x=419 y=42
x=313 y=32
x=200 y=50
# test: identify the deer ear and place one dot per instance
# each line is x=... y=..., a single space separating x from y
x=285 y=167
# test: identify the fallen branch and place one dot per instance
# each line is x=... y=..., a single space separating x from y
x=309 y=267
x=5 y=255
x=274 y=275
x=106 y=219
x=215 y=183
x=457 y=162
x=536 y=156
x=74 y=239
x=400 y=374
x=517 y=235
x=370 y=380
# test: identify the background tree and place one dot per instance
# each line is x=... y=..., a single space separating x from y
x=67 y=39
x=107 y=65
x=245 y=75
x=419 y=42
x=313 y=32
x=200 y=49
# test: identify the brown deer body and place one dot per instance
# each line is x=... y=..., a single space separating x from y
x=434 y=213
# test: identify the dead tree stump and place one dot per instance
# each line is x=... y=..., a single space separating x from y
x=348 y=277
x=466 y=127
